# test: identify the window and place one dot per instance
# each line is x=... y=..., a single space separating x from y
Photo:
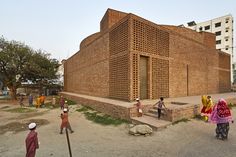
x=226 y=47
x=227 y=29
x=227 y=20
x=226 y=39
x=207 y=27
x=200 y=28
x=218 y=24
x=218 y=41
x=218 y=33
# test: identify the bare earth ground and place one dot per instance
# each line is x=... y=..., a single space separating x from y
x=194 y=138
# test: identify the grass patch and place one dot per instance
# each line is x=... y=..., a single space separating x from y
x=50 y=105
x=100 y=118
x=198 y=117
x=20 y=110
x=103 y=119
x=84 y=109
x=70 y=102
x=231 y=105
x=5 y=97
x=181 y=120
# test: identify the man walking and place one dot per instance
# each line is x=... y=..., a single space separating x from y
x=31 y=141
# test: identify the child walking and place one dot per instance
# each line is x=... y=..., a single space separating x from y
x=160 y=105
x=65 y=122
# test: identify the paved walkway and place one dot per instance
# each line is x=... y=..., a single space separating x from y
x=153 y=121
x=191 y=139
x=194 y=99
x=189 y=99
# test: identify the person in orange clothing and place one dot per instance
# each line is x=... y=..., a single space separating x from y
x=65 y=122
x=42 y=99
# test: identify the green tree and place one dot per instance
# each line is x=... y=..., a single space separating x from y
x=20 y=63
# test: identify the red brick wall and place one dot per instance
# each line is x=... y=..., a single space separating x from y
x=224 y=72
x=110 y=18
x=209 y=39
x=193 y=66
x=89 y=40
x=181 y=62
x=87 y=72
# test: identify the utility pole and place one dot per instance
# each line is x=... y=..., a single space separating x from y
x=68 y=142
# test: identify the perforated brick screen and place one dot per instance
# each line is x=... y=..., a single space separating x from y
x=119 y=59
x=160 y=78
x=135 y=76
x=150 y=39
x=153 y=42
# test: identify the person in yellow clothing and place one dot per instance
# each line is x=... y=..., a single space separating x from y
x=207 y=107
x=38 y=102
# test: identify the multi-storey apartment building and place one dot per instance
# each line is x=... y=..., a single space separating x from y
x=223 y=29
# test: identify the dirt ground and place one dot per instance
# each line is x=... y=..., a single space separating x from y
x=194 y=138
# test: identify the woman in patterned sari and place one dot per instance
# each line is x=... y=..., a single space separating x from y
x=207 y=107
x=221 y=116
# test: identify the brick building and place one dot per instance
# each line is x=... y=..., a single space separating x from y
x=132 y=57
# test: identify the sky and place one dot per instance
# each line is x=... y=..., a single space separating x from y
x=58 y=26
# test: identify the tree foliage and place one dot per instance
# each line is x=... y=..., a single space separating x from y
x=20 y=63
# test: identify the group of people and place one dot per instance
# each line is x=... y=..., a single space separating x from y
x=218 y=114
x=31 y=141
x=39 y=101
x=160 y=105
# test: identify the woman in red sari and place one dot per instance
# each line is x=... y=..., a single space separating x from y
x=31 y=141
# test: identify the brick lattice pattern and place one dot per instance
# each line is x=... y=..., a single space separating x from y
x=118 y=72
x=174 y=61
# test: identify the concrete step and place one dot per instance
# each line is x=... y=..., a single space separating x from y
x=153 y=122
x=154 y=111
x=154 y=115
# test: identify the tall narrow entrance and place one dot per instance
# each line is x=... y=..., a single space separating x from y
x=143 y=64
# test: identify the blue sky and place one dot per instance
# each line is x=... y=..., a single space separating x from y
x=58 y=26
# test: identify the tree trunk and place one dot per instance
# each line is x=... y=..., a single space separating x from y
x=13 y=92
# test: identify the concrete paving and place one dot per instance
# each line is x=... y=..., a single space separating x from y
x=188 y=99
x=150 y=119
x=156 y=124
x=194 y=138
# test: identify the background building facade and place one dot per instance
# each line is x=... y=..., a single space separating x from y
x=222 y=27
x=132 y=57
